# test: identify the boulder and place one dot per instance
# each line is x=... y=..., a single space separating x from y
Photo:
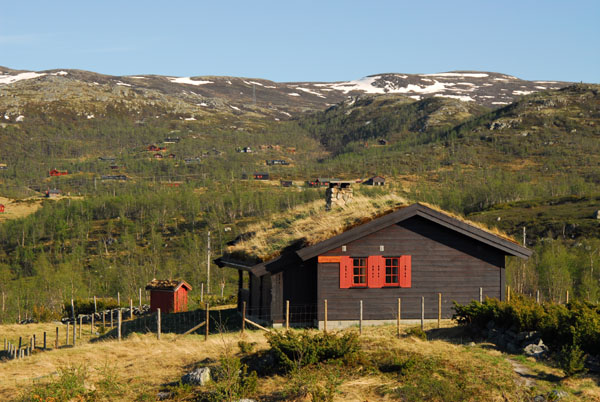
x=535 y=350
x=199 y=376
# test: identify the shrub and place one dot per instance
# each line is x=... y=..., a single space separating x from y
x=86 y=306
x=70 y=385
x=246 y=347
x=233 y=382
x=571 y=360
x=416 y=332
x=293 y=350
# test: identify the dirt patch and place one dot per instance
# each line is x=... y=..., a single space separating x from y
x=524 y=375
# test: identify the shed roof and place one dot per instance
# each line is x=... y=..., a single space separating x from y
x=167 y=284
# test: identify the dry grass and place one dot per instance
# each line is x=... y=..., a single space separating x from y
x=142 y=366
x=311 y=223
x=15 y=209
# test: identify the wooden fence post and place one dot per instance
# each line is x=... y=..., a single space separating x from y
x=399 y=315
x=325 y=322
x=360 y=323
x=67 y=338
x=45 y=344
x=207 y=319
x=439 y=310
x=92 y=324
x=422 y=313
x=56 y=339
x=74 y=332
x=537 y=296
x=243 y=316
x=158 y=323
x=119 y=299
x=33 y=342
x=567 y=297
x=287 y=315
x=508 y=294
x=95 y=306
x=480 y=295
x=80 y=326
x=140 y=300
x=131 y=309
x=119 y=323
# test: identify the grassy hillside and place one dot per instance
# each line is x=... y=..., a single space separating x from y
x=387 y=368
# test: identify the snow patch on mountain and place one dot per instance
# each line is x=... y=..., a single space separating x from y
x=470 y=75
x=9 y=79
x=310 y=92
x=459 y=97
x=187 y=80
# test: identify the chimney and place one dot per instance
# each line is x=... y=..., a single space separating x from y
x=338 y=194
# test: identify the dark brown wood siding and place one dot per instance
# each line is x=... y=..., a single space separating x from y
x=300 y=288
x=443 y=261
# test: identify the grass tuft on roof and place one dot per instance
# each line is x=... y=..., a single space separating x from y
x=311 y=223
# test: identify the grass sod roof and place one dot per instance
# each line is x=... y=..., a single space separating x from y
x=167 y=284
x=311 y=223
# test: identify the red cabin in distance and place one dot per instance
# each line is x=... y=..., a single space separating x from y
x=56 y=172
x=1 y=208
x=170 y=296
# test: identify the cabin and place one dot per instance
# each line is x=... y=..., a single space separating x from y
x=56 y=172
x=271 y=162
x=106 y=158
x=319 y=182
x=375 y=181
x=245 y=150
x=121 y=177
x=171 y=140
x=261 y=176
x=286 y=183
x=152 y=148
x=1 y=208
x=171 y=156
x=3 y=166
x=157 y=156
x=414 y=253
x=382 y=141
x=192 y=160
x=115 y=167
x=53 y=193
x=170 y=296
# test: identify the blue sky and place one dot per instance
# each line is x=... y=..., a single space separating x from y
x=305 y=41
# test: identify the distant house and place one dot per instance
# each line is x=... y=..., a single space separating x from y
x=244 y=176
x=106 y=158
x=172 y=183
x=375 y=181
x=158 y=156
x=286 y=183
x=291 y=150
x=193 y=160
x=170 y=296
x=114 y=167
x=152 y=148
x=3 y=166
x=382 y=141
x=52 y=193
x=56 y=172
x=245 y=150
x=271 y=162
x=171 y=140
x=261 y=176
x=320 y=182
x=1 y=208
x=114 y=177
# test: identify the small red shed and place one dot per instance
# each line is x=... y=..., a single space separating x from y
x=1 y=208
x=170 y=296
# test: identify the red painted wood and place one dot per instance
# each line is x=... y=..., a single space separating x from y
x=405 y=271
x=375 y=271
x=345 y=272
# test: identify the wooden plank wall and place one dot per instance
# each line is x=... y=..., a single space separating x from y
x=442 y=261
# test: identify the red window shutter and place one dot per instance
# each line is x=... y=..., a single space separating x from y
x=375 y=271
x=345 y=272
x=405 y=271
